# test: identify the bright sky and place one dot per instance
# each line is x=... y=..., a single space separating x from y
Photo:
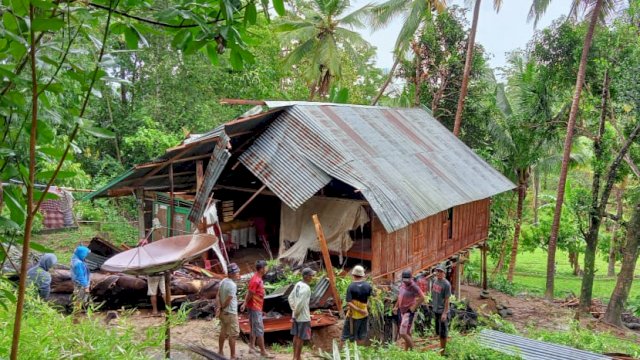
x=499 y=33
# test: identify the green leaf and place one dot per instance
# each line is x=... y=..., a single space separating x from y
x=99 y=132
x=62 y=174
x=235 y=58
x=278 y=6
x=212 y=53
x=13 y=200
x=131 y=38
x=37 y=195
x=47 y=24
x=251 y=13
x=182 y=39
x=41 y=248
x=194 y=46
x=5 y=152
x=8 y=224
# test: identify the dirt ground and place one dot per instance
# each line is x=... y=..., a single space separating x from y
x=528 y=311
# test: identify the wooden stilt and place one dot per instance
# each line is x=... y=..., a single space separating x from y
x=327 y=264
x=483 y=249
x=167 y=321
x=171 y=201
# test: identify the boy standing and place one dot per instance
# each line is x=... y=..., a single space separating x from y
x=227 y=310
x=253 y=303
x=440 y=294
x=301 y=317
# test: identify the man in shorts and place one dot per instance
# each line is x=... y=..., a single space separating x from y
x=301 y=317
x=440 y=295
x=253 y=303
x=227 y=310
x=410 y=298
x=153 y=284
x=357 y=320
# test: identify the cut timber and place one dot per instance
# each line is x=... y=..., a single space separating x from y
x=327 y=263
x=248 y=201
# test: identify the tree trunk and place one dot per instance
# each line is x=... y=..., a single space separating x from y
x=562 y=181
x=467 y=69
x=611 y=269
x=417 y=81
x=595 y=217
x=620 y=293
x=500 y=264
x=22 y=284
x=523 y=175
x=575 y=263
x=387 y=82
x=536 y=197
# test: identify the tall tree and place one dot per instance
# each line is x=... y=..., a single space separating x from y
x=594 y=11
x=467 y=64
x=416 y=13
x=318 y=37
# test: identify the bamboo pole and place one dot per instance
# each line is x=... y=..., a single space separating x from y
x=327 y=264
x=248 y=201
x=483 y=249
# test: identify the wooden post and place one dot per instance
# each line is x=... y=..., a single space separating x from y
x=483 y=249
x=327 y=264
x=248 y=201
x=141 y=225
x=458 y=275
x=171 y=200
x=167 y=321
x=199 y=175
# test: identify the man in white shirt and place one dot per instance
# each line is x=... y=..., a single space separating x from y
x=227 y=310
x=301 y=316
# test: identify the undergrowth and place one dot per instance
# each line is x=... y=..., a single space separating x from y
x=47 y=334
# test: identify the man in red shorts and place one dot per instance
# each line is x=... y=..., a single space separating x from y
x=253 y=303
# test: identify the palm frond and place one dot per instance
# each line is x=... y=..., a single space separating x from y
x=383 y=14
x=411 y=24
x=300 y=52
x=537 y=9
x=497 y=4
x=358 y=18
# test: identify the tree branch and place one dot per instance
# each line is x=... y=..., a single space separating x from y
x=150 y=21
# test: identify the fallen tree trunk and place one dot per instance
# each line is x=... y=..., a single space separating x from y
x=117 y=290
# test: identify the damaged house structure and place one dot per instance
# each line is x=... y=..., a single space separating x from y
x=393 y=188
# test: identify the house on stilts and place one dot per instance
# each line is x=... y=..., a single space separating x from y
x=393 y=188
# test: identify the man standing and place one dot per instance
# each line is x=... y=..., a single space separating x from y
x=253 y=302
x=40 y=277
x=153 y=284
x=358 y=293
x=227 y=310
x=410 y=298
x=80 y=276
x=301 y=317
x=440 y=294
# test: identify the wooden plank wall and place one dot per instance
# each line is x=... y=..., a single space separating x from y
x=425 y=243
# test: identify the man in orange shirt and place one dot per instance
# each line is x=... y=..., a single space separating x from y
x=253 y=302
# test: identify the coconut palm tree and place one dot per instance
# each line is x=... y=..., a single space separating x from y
x=415 y=13
x=467 y=63
x=320 y=34
x=595 y=10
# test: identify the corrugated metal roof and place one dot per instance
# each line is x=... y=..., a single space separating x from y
x=406 y=164
x=529 y=349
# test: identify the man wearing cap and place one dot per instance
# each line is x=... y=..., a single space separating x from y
x=301 y=316
x=227 y=310
x=358 y=293
x=410 y=297
x=440 y=294
x=253 y=303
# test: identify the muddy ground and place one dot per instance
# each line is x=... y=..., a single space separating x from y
x=528 y=311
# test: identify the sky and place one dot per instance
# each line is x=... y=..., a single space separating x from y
x=499 y=33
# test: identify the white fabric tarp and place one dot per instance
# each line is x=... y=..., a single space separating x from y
x=337 y=217
x=211 y=216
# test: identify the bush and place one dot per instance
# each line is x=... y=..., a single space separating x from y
x=114 y=220
x=47 y=334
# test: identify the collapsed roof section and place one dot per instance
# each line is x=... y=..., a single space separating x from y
x=405 y=163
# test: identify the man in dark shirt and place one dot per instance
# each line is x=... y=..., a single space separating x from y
x=440 y=294
x=358 y=293
x=410 y=298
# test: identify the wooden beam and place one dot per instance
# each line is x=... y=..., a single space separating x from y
x=225 y=101
x=155 y=177
x=248 y=201
x=167 y=317
x=159 y=167
x=189 y=158
x=327 y=264
x=241 y=189
x=199 y=174
x=140 y=200
x=171 y=201
x=483 y=263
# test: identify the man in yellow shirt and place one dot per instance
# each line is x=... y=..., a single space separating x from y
x=357 y=320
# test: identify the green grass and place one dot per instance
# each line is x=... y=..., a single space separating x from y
x=47 y=334
x=64 y=243
x=530 y=275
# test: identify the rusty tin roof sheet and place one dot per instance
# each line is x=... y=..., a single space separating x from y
x=406 y=164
